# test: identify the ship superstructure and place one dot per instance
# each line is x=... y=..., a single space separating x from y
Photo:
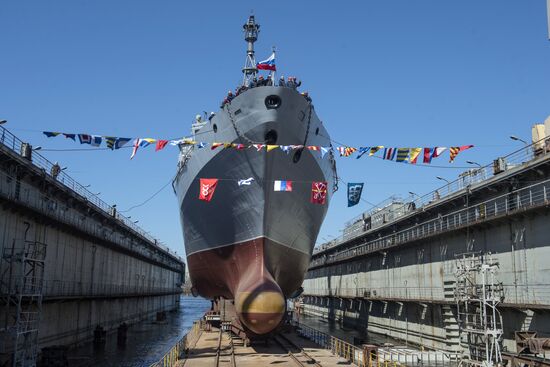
x=251 y=243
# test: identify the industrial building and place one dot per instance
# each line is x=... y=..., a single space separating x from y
x=71 y=266
x=465 y=268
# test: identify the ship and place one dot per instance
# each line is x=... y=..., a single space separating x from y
x=250 y=243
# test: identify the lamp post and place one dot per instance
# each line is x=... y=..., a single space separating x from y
x=2 y=122
x=447 y=181
x=474 y=163
x=414 y=194
x=513 y=137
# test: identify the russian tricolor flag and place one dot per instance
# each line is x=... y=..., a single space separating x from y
x=268 y=64
x=282 y=186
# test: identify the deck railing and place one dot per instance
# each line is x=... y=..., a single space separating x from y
x=13 y=143
x=470 y=178
x=373 y=356
x=515 y=201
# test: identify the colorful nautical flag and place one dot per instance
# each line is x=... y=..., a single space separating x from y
x=269 y=147
x=145 y=142
x=183 y=141
x=402 y=154
x=246 y=182
x=50 y=134
x=216 y=145
x=346 y=151
x=285 y=148
x=362 y=150
x=136 y=146
x=160 y=145
x=428 y=153
x=438 y=151
x=239 y=146
x=201 y=145
x=96 y=140
x=267 y=64
x=413 y=155
x=324 y=151
x=282 y=185
x=314 y=148
x=110 y=141
x=455 y=150
x=389 y=153
x=227 y=145
x=318 y=192
x=354 y=193
x=373 y=150
x=258 y=147
x=85 y=138
x=70 y=136
x=120 y=142
x=207 y=188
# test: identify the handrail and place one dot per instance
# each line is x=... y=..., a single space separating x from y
x=473 y=176
x=374 y=356
x=27 y=195
x=13 y=143
x=517 y=200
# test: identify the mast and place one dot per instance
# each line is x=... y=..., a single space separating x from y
x=251 y=30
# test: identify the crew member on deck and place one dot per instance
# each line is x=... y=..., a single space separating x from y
x=227 y=99
x=306 y=96
x=254 y=82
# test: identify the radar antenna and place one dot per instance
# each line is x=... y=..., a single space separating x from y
x=251 y=30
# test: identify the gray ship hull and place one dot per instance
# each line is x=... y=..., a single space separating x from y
x=282 y=227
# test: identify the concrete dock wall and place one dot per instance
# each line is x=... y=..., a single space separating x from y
x=99 y=268
x=400 y=279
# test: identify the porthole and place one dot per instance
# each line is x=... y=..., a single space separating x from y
x=317 y=131
x=297 y=155
x=272 y=102
x=215 y=128
x=271 y=137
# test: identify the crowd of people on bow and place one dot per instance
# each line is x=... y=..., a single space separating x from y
x=290 y=82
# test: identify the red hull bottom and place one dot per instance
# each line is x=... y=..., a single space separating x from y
x=240 y=272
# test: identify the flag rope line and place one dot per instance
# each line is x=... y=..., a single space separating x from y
x=150 y=198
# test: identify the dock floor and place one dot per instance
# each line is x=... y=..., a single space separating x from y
x=274 y=352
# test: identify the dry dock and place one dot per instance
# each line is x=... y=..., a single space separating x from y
x=71 y=268
x=464 y=269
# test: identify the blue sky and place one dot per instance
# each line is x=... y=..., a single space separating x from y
x=386 y=72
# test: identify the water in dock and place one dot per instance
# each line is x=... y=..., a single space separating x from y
x=146 y=342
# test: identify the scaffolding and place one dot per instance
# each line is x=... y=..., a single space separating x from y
x=21 y=282
x=477 y=296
